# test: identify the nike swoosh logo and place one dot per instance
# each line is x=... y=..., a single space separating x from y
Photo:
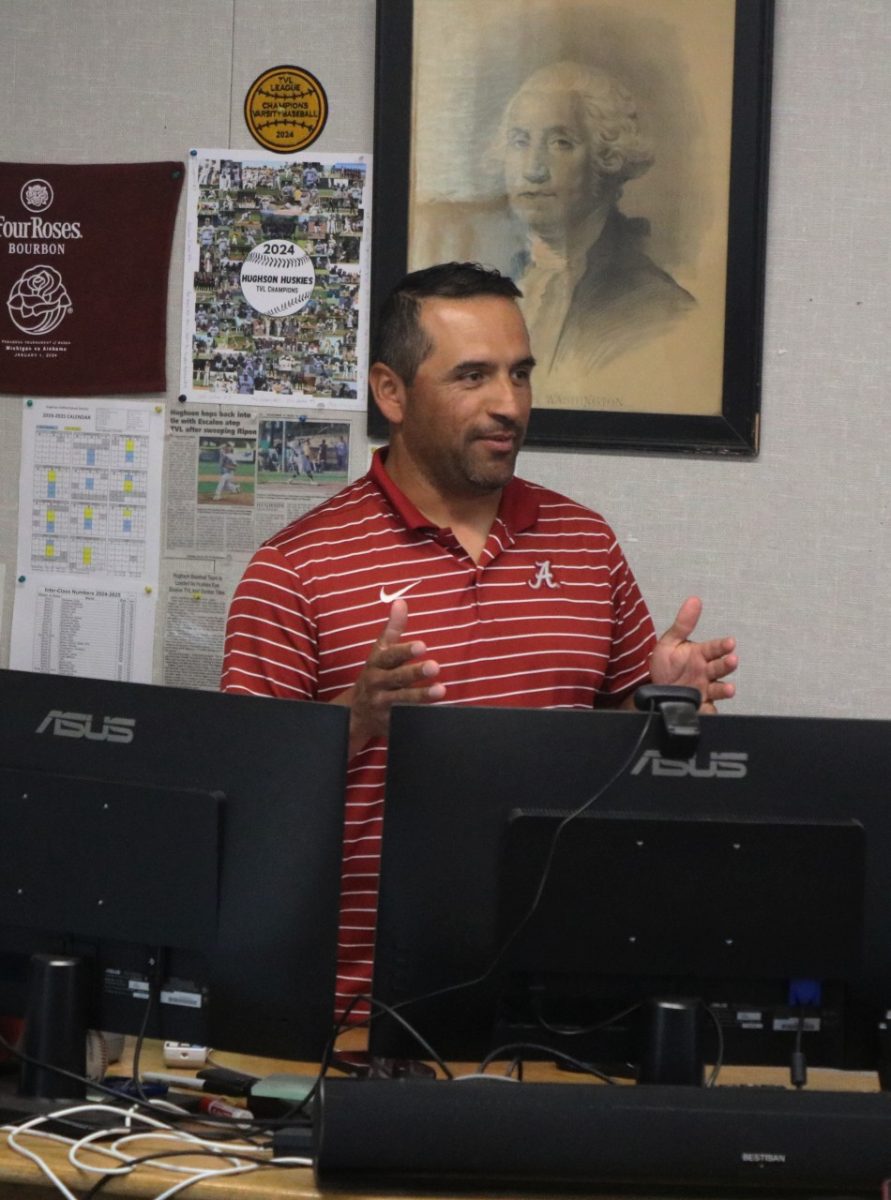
x=389 y=597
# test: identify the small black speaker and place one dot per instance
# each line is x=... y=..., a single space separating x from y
x=671 y=1051
x=55 y=1028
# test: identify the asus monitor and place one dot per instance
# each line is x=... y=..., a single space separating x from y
x=549 y=878
x=180 y=844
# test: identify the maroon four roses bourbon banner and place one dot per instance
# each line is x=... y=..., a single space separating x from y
x=84 y=262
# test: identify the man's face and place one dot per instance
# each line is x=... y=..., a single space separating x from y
x=550 y=179
x=466 y=412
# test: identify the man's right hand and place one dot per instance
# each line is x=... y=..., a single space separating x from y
x=395 y=672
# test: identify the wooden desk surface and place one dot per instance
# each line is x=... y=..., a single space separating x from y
x=21 y=1179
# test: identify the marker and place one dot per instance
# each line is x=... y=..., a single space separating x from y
x=217 y=1107
x=180 y=1081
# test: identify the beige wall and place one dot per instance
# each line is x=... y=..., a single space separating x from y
x=790 y=552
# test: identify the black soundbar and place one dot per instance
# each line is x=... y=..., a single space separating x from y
x=494 y=1132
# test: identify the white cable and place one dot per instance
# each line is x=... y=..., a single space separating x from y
x=47 y=1171
x=108 y=1151
x=184 y=1183
x=104 y=1169
x=32 y=1128
x=227 y=1151
x=111 y=1151
x=168 y=1106
x=46 y=1134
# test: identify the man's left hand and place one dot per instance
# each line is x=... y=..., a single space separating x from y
x=703 y=665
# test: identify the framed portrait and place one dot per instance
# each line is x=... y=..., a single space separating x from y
x=612 y=160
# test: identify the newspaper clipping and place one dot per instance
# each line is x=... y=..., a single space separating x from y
x=235 y=476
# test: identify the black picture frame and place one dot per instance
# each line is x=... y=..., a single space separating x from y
x=735 y=430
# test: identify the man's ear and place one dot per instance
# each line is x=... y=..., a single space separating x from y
x=389 y=392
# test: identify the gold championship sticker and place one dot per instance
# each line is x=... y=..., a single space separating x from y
x=286 y=109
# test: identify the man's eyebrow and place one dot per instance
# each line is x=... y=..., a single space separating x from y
x=470 y=364
x=483 y=364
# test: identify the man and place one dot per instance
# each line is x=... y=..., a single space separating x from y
x=568 y=142
x=440 y=577
x=228 y=470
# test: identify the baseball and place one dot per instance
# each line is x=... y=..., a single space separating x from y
x=277 y=278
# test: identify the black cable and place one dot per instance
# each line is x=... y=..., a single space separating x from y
x=546 y=871
x=154 y=994
x=297 y=1112
x=719 y=1057
x=581 y=1030
x=576 y=1063
x=390 y=1010
x=236 y=1130
x=393 y=1010
x=798 y=1061
x=342 y=1024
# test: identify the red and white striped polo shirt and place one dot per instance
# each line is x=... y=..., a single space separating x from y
x=550 y=617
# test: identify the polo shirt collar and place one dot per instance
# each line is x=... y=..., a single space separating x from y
x=410 y=516
x=518 y=509
x=519 y=505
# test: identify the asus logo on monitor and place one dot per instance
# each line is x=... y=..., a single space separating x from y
x=728 y=765
x=80 y=725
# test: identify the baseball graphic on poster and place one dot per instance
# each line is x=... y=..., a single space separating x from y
x=277 y=278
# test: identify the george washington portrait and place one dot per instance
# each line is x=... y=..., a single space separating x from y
x=582 y=147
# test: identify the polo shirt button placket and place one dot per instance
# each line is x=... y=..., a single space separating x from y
x=477 y=584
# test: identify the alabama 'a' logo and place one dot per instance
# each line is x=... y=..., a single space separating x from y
x=543 y=576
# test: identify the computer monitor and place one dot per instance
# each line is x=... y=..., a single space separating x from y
x=137 y=819
x=734 y=878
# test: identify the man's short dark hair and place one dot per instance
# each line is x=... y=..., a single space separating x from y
x=401 y=342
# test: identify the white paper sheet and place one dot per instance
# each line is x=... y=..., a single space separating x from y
x=89 y=538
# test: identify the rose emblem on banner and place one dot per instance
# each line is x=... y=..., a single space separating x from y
x=36 y=195
x=38 y=301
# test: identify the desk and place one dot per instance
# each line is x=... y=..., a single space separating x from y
x=22 y=1180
